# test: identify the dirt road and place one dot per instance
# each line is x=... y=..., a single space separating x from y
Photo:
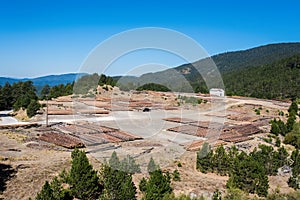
x=6 y=119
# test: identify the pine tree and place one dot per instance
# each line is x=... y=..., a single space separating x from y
x=143 y=185
x=291 y=121
x=220 y=161
x=83 y=180
x=33 y=107
x=293 y=107
x=118 y=185
x=129 y=165
x=248 y=175
x=114 y=161
x=59 y=193
x=158 y=185
x=45 y=91
x=204 y=158
x=152 y=166
x=46 y=193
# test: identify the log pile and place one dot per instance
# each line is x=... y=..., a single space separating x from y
x=234 y=134
x=190 y=130
x=61 y=139
x=180 y=120
x=92 y=133
x=246 y=130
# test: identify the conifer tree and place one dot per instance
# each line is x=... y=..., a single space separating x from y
x=46 y=193
x=152 y=166
x=83 y=180
x=158 y=185
x=117 y=184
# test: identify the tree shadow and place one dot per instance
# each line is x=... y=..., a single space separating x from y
x=6 y=172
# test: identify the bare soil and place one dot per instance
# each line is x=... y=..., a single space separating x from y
x=29 y=163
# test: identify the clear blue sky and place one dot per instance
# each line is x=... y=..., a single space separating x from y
x=40 y=37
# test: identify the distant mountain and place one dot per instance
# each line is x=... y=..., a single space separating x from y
x=41 y=81
x=187 y=78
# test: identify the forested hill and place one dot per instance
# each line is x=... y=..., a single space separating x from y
x=256 y=56
x=280 y=79
x=251 y=57
x=230 y=65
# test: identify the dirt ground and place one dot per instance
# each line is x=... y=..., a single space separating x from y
x=28 y=168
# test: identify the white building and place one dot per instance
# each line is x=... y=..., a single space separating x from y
x=217 y=92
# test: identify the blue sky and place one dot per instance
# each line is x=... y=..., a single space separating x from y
x=41 y=37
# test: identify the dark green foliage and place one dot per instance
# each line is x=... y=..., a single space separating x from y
x=46 y=193
x=277 y=142
x=246 y=172
x=270 y=71
x=176 y=175
x=118 y=185
x=33 y=107
x=249 y=175
x=280 y=113
x=45 y=91
x=90 y=82
x=152 y=166
x=54 y=191
x=19 y=95
x=204 y=158
x=270 y=159
x=83 y=180
x=296 y=162
x=153 y=87
x=106 y=80
x=264 y=82
x=23 y=93
x=257 y=111
x=220 y=161
x=57 y=91
x=278 y=127
x=143 y=185
x=6 y=97
x=293 y=182
x=158 y=186
x=293 y=107
x=291 y=121
x=293 y=137
x=57 y=192
x=217 y=195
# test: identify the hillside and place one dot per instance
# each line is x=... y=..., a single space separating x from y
x=280 y=79
x=183 y=77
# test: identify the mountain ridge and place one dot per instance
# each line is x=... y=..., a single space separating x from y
x=188 y=74
x=43 y=80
